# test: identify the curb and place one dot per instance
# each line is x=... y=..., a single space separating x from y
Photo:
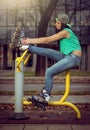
x=41 y=80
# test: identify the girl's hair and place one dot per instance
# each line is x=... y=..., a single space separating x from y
x=65 y=26
x=62 y=27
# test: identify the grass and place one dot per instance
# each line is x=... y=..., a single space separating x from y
x=73 y=73
x=32 y=73
x=29 y=74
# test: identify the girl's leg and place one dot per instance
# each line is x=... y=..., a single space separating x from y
x=66 y=63
x=50 y=53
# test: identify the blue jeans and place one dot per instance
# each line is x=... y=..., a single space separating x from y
x=63 y=63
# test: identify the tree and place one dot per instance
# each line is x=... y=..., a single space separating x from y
x=43 y=25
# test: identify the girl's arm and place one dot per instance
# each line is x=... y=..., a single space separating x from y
x=46 y=40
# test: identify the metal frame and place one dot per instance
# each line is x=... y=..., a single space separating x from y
x=62 y=100
x=19 y=85
x=20 y=101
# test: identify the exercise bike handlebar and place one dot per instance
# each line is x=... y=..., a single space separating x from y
x=22 y=59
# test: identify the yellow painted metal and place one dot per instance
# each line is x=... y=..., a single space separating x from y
x=18 y=60
x=67 y=89
x=58 y=103
x=25 y=102
x=27 y=58
x=62 y=100
x=21 y=59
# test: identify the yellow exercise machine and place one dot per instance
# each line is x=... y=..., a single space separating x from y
x=53 y=103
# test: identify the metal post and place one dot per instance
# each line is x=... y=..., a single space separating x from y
x=19 y=83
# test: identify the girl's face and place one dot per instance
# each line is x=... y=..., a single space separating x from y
x=58 y=25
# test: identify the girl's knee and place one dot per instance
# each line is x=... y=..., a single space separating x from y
x=48 y=72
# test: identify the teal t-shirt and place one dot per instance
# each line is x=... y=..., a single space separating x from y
x=68 y=45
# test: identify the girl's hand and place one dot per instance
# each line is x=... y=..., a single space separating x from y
x=25 y=41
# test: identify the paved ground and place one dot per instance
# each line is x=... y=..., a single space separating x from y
x=82 y=86
x=59 y=124
x=79 y=99
x=44 y=127
x=76 y=88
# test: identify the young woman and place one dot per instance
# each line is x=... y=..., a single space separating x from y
x=68 y=57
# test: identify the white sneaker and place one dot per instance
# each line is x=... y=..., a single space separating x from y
x=45 y=95
x=24 y=47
